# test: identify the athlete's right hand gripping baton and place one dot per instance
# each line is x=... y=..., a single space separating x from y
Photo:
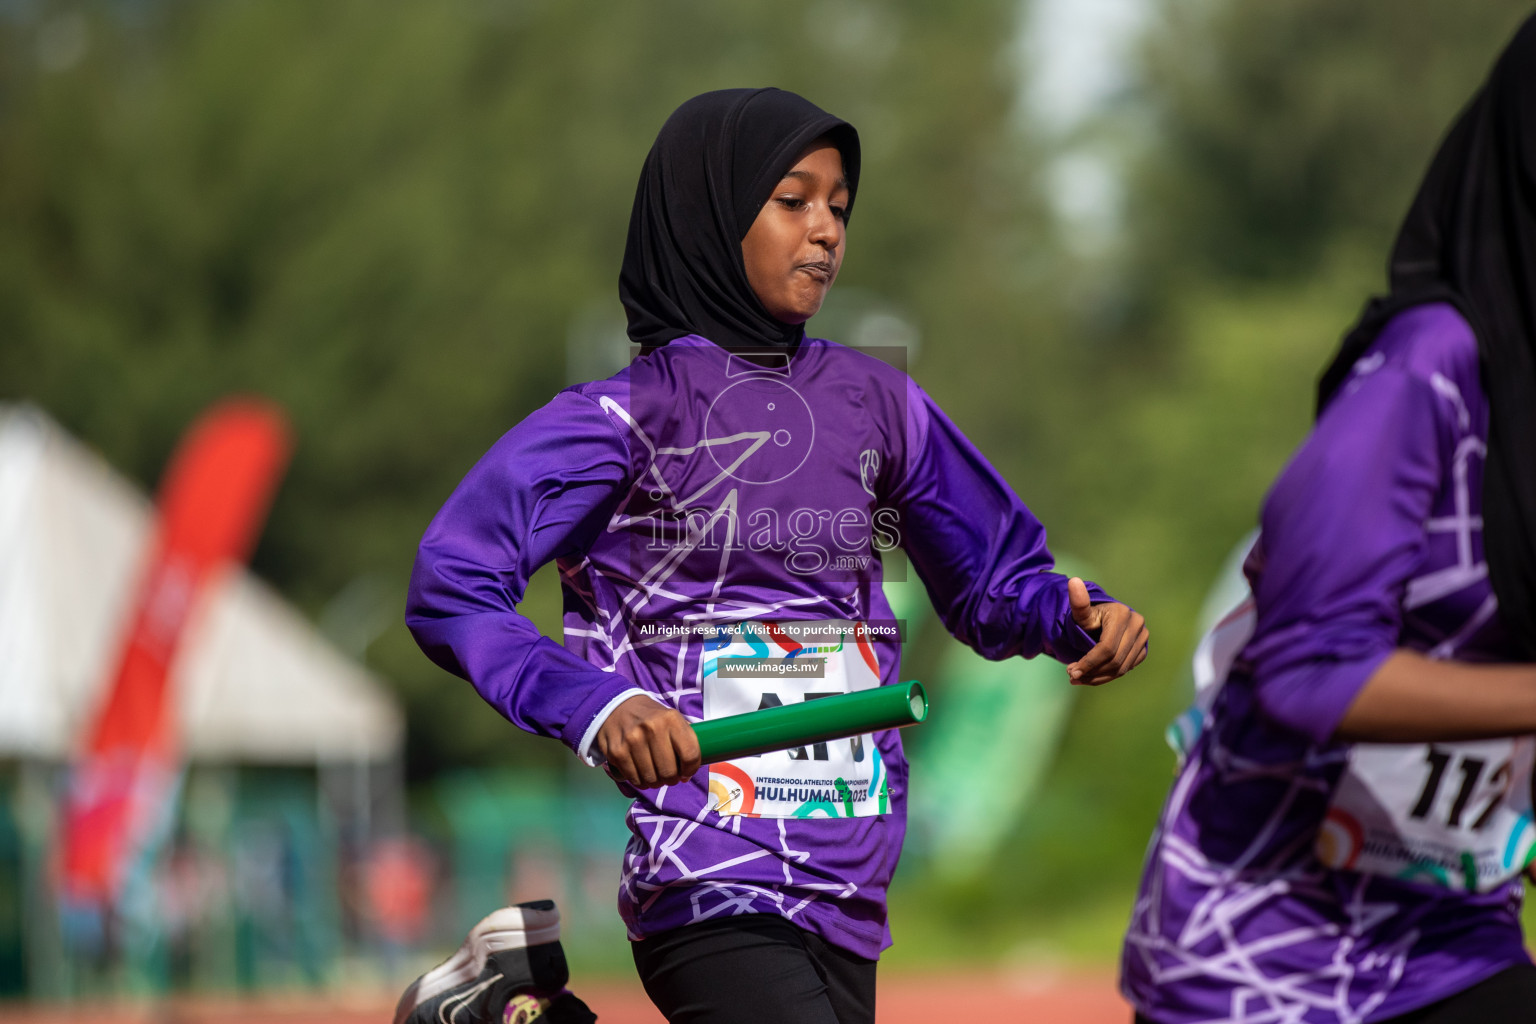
x=811 y=721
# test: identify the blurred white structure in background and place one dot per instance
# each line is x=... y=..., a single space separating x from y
x=256 y=682
x=294 y=750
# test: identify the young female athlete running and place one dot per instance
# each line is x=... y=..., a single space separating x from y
x=1344 y=842
x=717 y=511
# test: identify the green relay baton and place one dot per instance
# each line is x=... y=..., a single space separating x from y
x=811 y=721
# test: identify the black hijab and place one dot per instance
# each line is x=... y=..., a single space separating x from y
x=1470 y=239
x=714 y=164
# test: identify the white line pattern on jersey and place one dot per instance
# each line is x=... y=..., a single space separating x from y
x=1260 y=993
x=667 y=835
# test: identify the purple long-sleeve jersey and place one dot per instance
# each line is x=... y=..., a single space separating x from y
x=1371 y=540
x=698 y=488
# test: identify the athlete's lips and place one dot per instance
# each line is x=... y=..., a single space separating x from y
x=821 y=270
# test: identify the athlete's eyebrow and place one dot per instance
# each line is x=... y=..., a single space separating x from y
x=808 y=177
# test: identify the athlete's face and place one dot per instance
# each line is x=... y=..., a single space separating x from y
x=795 y=246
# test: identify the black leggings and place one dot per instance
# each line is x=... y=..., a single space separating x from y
x=1508 y=997
x=754 y=969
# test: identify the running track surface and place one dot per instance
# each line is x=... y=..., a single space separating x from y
x=1026 y=997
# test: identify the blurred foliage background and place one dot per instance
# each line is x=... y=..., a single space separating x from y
x=403 y=221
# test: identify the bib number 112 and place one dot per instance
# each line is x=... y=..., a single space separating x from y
x=1471 y=771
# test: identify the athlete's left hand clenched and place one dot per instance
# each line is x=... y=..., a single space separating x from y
x=1122 y=635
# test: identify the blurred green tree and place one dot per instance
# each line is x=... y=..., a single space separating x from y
x=1274 y=148
x=1282 y=127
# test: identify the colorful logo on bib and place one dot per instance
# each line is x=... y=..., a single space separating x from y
x=731 y=790
x=1340 y=840
x=1428 y=873
x=1521 y=847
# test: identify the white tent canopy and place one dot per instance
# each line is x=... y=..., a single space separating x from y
x=254 y=680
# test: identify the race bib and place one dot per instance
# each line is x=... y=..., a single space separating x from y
x=757 y=665
x=1452 y=815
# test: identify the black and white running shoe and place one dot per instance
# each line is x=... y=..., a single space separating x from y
x=512 y=952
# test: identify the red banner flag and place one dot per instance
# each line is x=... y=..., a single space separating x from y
x=213 y=500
